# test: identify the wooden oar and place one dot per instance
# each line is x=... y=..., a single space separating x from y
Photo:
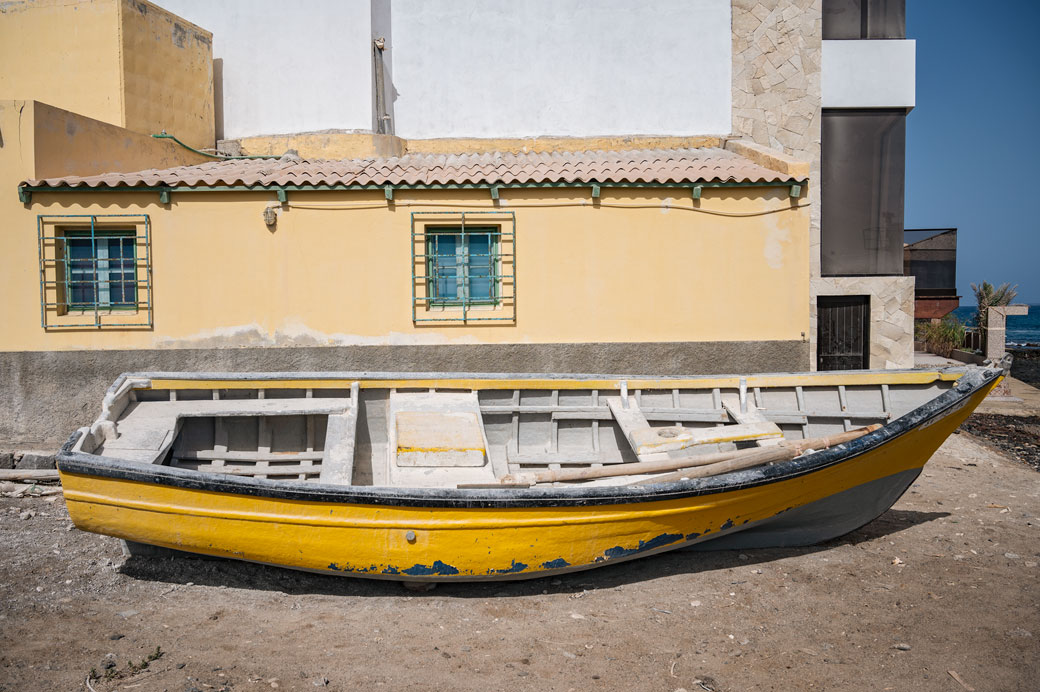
x=739 y=464
x=754 y=456
x=795 y=447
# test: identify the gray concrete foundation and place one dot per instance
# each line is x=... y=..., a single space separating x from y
x=45 y=395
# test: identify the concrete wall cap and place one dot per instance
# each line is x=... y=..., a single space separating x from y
x=769 y=158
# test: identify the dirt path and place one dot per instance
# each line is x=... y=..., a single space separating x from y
x=950 y=575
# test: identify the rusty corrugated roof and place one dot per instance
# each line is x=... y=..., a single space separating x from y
x=635 y=166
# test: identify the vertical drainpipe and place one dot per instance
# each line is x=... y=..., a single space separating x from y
x=382 y=119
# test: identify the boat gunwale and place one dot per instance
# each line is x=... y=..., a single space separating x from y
x=490 y=381
x=69 y=461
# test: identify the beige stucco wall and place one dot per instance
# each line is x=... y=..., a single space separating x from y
x=639 y=266
x=336 y=145
x=38 y=140
x=70 y=144
x=167 y=73
x=343 y=276
x=63 y=52
x=124 y=62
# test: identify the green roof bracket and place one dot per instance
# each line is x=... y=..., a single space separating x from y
x=389 y=192
x=24 y=195
x=595 y=190
x=164 y=195
x=283 y=197
x=795 y=191
x=696 y=190
x=494 y=191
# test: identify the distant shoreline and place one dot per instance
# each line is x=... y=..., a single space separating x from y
x=1023 y=331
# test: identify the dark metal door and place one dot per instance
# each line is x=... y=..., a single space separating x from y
x=843 y=333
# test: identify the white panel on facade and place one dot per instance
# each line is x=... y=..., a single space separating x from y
x=869 y=74
x=574 y=68
x=289 y=66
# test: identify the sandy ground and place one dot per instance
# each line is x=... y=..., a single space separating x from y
x=946 y=581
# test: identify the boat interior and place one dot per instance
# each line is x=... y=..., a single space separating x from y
x=448 y=431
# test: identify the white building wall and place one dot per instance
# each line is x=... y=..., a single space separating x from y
x=470 y=68
x=543 y=67
x=869 y=74
x=289 y=67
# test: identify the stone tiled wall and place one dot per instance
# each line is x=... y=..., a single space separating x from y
x=891 y=314
x=776 y=85
x=777 y=53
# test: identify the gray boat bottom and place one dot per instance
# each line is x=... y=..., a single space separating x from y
x=819 y=521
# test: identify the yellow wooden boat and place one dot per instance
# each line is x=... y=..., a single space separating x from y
x=432 y=477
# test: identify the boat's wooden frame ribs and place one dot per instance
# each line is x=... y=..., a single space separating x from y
x=337 y=461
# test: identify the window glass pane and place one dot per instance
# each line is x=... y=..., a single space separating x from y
x=864 y=19
x=930 y=256
x=480 y=266
x=101 y=271
x=121 y=274
x=886 y=19
x=443 y=270
x=842 y=19
x=863 y=167
x=462 y=264
x=80 y=271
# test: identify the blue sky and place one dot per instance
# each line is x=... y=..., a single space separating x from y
x=973 y=145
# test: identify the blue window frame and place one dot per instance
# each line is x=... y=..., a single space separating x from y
x=462 y=265
x=101 y=270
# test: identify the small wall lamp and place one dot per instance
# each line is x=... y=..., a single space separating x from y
x=270 y=217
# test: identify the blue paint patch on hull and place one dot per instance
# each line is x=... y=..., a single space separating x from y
x=656 y=542
x=512 y=569
x=438 y=569
x=558 y=563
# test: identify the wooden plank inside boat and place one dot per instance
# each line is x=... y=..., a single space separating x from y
x=435 y=438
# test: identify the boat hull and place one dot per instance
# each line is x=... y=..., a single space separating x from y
x=475 y=535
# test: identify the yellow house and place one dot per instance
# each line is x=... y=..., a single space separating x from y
x=122 y=251
x=638 y=261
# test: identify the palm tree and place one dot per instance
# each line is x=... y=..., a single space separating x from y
x=987 y=296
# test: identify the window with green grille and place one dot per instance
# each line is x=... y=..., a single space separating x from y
x=463 y=266
x=95 y=270
x=101 y=271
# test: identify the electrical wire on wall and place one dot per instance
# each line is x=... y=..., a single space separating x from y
x=348 y=206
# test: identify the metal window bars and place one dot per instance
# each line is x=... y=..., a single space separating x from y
x=93 y=283
x=463 y=266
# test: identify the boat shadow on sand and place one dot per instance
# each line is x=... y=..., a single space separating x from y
x=185 y=568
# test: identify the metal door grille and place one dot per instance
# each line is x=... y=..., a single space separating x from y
x=843 y=324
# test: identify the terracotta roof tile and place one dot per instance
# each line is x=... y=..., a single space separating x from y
x=618 y=167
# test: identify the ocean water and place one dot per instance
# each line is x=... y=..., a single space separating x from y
x=1021 y=329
